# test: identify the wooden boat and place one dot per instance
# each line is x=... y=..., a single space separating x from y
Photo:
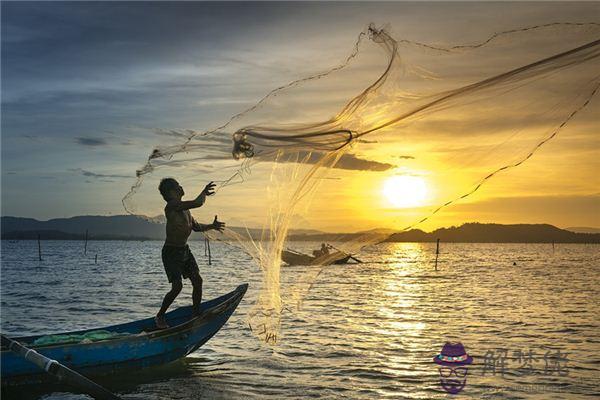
x=296 y=258
x=142 y=347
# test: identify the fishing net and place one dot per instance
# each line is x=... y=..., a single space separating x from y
x=88 y=337
x=315 y=153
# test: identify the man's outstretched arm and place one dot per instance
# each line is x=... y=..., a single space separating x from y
x=178 y=205
x=216 y=225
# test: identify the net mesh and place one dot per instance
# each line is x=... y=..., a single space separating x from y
x=453 y=116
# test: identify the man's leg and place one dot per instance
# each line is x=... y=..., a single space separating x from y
x=193 y=273
x=196 y=280
x=176 y=286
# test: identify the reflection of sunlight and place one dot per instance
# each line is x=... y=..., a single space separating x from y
x=401 y=293
x=399 y=306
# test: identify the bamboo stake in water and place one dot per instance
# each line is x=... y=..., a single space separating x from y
x=437 y=253
x=85 y=245
x=39 y=248
x=209 y=256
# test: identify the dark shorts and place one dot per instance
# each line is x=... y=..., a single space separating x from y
x=179 y=262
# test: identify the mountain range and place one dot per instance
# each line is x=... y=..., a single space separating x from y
x=129 y=227
x=116 y=227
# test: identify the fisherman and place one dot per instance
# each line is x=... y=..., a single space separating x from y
x=177 y=258
x=323 y=251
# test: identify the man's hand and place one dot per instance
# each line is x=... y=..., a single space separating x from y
x=179 y=205
x=217 y=225
x=209 y=190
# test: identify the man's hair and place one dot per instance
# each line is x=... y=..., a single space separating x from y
x=165 y=186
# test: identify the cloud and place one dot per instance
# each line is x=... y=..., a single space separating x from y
x=93 y=142
x=351 y=162
x=90 y=174
x=172 y=132
x=347 y=161
x=114 y=67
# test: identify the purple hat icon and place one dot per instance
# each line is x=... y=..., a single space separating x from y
x=453 y=355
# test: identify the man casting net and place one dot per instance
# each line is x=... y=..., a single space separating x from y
x=443 y=120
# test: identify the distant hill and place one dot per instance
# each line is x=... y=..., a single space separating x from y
x=47 y=235
x=470 y=233
x=59 y=235
x=117 y=227
x=129 y=227
x=497 y=233
x=583 y=229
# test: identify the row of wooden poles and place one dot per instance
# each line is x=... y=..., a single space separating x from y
x=39 y=241
x=206 y=249
x=63 y=373
x=437 y=253
x=60 y=371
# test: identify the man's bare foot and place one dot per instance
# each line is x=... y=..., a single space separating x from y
x=161 y=322
x=196 y=313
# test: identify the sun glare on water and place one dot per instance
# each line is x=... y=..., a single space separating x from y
x=405 y=191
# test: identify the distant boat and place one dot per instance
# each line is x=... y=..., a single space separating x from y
x=142 y=346
x=292 y=257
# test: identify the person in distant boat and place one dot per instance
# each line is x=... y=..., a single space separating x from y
x=323 y=251
x=177 y=258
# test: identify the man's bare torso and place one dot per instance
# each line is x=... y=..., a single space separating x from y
x=179 y=227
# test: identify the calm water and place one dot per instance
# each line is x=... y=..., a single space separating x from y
x=364 y=331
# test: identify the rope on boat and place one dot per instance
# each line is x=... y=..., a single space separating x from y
x=63 y=373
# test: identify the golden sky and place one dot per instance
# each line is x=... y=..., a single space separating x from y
x=87 y=111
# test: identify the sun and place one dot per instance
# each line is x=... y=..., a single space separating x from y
x=405 y=191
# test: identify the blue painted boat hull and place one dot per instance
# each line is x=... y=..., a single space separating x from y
x=143 y=347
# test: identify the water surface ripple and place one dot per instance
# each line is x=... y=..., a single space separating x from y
x=364 y=331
